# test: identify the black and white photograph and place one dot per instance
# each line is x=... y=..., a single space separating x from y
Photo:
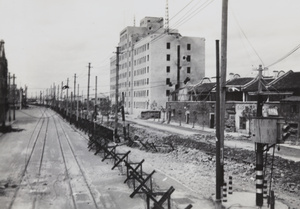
x=162 y=104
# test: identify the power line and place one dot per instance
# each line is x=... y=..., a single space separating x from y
x=285 y=56
x=245 y=35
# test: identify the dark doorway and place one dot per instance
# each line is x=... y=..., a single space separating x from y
x=212 y=121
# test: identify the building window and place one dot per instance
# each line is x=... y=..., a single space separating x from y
x=147 y=69
x=188 y=46
x=147 y=57
x=168 y=45
x=147 y=92
x=168 y=69
x=148 y=46
x=168 y=57
x=167 y=92
x=167 y=81
x=188 y=69
x=188 y=58
x=147 y=81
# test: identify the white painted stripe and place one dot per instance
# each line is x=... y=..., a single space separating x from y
x=259 y=173
x=259 y=181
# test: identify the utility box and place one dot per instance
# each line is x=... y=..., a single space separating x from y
x=266 y=130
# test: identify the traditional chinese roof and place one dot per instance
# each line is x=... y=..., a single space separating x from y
x=253 y=86
x=287 y=82
x=239 y=81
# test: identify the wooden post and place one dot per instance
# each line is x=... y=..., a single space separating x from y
x=117 y=96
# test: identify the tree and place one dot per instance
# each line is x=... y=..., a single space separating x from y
x=105 y=106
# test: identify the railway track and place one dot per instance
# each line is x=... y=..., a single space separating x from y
x=36 y=134
x=81 y=195
x=52 y=173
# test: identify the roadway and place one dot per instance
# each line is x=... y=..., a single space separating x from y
x=286 y=151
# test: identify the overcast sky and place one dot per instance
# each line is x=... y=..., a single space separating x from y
x=49 y=41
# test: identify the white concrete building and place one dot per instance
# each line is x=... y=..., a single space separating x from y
x=148 y=62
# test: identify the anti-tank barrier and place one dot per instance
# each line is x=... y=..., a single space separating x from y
x=141 y=182
x=101 y=141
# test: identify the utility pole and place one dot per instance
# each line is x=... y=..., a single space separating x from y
x=95 y=96
x=40 y=97
x=123 y=116
x=74 y=95
x=54 y=95
x=71 y=107
x=117 y=95
x=25 y=94
x=77 y=109
x=21 y=98
x=222 y=90
x=75 y=85
x=58 y=100
x=178 y=70
x=61 y=96
x=259 y=146
x=67 y=104
x=9 y=94
x=61 y=93
x=219 y=177
x=88 y=91
x=14 y=94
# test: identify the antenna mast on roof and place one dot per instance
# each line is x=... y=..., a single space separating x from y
x=134 y=20
x=167 y=18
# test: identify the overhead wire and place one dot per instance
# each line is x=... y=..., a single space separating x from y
x=187 y=16
x=285 y=56
x=242 y=31
x=193 y=13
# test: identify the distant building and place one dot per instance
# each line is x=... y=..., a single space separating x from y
x=149 y=63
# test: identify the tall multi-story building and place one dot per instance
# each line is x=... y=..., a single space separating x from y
x=152 y=61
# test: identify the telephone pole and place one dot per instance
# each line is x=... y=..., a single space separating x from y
x=77 y=109
x=74 y=95
x=178 y=69
x=88 y=91
x=95 y=97
x=117 y=95
x=9 y=94
x=222 y=93
x=61 y=93
x=14 y=94
x=58 y=100
x=67 y=104
x=54 y=95
x=219 y=177
x=75 y=88
x=259 y=146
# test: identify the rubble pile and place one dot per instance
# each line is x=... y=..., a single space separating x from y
x=240 y=163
